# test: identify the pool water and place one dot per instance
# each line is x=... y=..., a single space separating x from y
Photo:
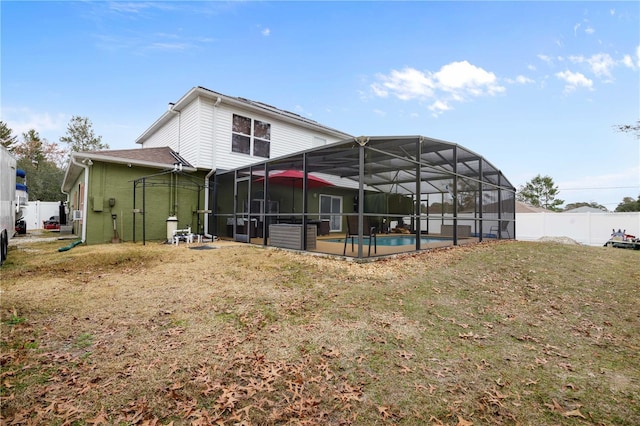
x=400 y=240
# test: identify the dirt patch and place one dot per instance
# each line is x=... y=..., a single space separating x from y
x=561 y=240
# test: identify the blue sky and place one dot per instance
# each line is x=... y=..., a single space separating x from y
x=535 y=87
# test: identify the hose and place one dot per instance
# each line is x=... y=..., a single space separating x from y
x=70 y=246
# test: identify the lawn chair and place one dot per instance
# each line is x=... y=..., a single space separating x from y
x=353 y=231
x=503 y=226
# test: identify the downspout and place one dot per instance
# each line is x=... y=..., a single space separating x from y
x=213 y=170
x=175 y=111
x=206 y=203
x=86 y=194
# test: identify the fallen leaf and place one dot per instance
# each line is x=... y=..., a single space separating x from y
x=554 y=406
x=463 y=422
x=574 y=413
x=384 y=411
x=99 y=419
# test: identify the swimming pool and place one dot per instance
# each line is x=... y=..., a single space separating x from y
x=393 y=241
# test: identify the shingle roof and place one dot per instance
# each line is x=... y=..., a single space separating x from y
x=160 y=158
x=526 y=208
x=163 y=155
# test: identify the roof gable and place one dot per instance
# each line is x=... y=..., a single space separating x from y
x=240 y=102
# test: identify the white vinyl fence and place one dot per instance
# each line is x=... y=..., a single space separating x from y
x=39 y=211
x=593 y=229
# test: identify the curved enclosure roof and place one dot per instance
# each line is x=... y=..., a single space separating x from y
x=390 y=164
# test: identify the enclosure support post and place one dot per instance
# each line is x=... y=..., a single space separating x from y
x=418 y=205
x=480 y=203
x=212 y=219
x=360 y=199
x=455 y=195
x=135 y=185
x=144 y=209
x=305 y=181
x=266 y=219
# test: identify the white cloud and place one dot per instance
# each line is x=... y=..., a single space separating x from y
x=589 y=30
x=576 y=27
x=170 y=46
x=463 y=77
x=438 y=107
x=266 y=32
x=524 y=80
x=136 y=8
x=21 y=120
x=128 y=7
x=544 y=58
x=454 y=82
x=521 y=79
x=574 y=80
x=600 y=64
x=379 y=112
x=379 y=90
x=144 y=42
x=406 y=84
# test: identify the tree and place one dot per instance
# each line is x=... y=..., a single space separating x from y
x=629 y=128
x=628 y=204
x=81 y=137
x=7 y=138
x=584 y=204
x=540 y=192
x=37 y=149
x=41 y=162
x=43 y=181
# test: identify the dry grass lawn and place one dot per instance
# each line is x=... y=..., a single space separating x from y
x=508 y=333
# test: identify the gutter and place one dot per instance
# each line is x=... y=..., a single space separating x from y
x=213 y=170
x=206 y=203
x=85 y=165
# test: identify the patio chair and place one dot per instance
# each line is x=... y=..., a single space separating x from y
x=369 y=232
x=503 y=226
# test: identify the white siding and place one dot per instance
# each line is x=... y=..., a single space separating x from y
x=166 y=136
x=201 y=134
x=285 y=138
x=206 y=138
x=189 y=133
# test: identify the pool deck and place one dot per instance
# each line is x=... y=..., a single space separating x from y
x=336 y=248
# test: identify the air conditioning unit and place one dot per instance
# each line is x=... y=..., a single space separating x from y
x=76 y=215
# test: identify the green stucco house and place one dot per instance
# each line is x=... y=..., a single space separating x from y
x=128 y=195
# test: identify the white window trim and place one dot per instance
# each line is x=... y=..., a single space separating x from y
x=251 y=137
x=332 y=197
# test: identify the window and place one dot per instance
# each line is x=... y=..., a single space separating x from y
x=331 y=208
x=248 y=133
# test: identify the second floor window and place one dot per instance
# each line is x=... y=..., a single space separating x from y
x=251 y=137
